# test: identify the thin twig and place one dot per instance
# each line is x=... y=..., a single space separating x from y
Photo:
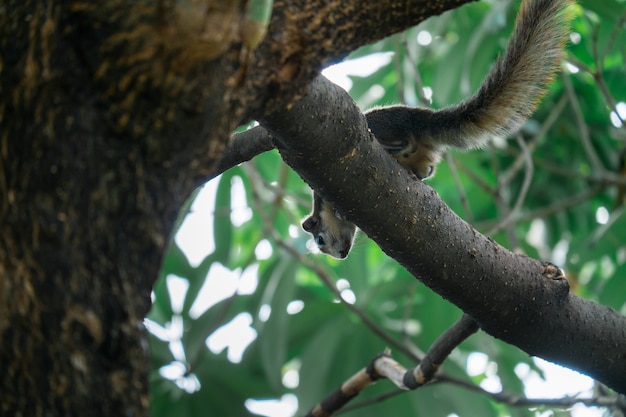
x=242 y=147
x=583 y=129
x=521 y=196
x=532 y=144
x=459 y=187
x=556 y=207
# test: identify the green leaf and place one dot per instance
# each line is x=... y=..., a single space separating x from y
x=273 y=335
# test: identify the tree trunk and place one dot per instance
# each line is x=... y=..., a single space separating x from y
x=107 y=110
x=111 y=113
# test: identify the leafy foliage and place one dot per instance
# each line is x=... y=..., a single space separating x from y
x=555 y=193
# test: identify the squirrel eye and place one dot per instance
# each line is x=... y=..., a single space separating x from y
x=319 y=240
x=427 y=172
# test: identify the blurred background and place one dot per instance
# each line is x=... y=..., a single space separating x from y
x=248 y=319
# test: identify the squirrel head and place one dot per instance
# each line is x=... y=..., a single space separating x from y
x=332 y=234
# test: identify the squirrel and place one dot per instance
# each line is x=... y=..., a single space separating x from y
x=418 y=137
x=332 y=233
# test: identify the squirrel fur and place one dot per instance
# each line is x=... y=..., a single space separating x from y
x=418 y=137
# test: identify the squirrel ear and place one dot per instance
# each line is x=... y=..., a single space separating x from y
x=309 y=223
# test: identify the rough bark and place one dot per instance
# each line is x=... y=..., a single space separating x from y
x=96 y=120
x=111 y=113
x=520 y=300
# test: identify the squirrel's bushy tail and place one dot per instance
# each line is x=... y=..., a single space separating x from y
x=516 y=82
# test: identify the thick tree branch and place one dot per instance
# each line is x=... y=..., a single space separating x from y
x=298 y=45
x=517 y=299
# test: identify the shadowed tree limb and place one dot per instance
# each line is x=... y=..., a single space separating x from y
x=522 y=301
x=243 y=147
x=439 y=351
